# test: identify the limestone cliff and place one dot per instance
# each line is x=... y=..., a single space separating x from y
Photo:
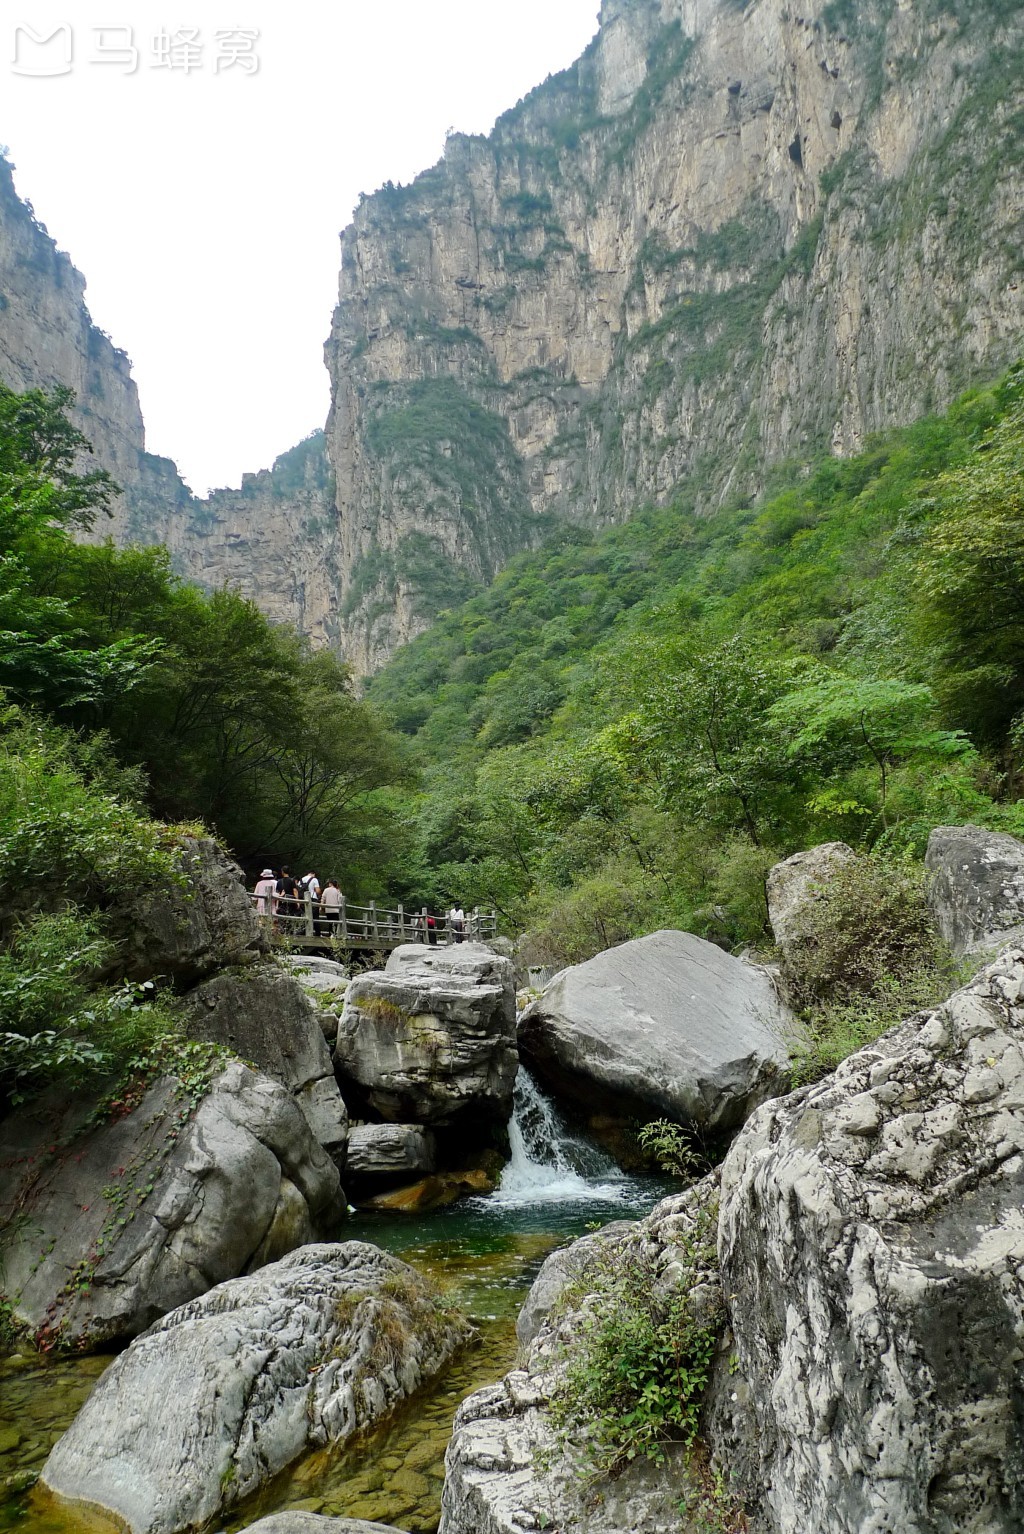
x=47 y=337
x=729 y=234
x=273 y=538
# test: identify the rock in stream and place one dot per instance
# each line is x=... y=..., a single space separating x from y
x=223 y=1393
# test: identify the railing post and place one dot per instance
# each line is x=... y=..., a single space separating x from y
x=401 y=923
x=424 y=934
x=308 y=903
x=343 y=917
x=373 y=917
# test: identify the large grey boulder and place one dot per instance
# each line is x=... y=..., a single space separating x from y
x=976 y=890
x=305 y=964
x=108 y=1225
x=388 y=1151
x=263 y=1015
x=506 y=1469
x=431 y=1039
x=795 y=884
x=185 y=931
x=224 y=1392
x=872 y=1249
x=475 y=961
x=667 y=1024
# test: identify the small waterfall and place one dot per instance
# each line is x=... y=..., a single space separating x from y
x=549 y=1163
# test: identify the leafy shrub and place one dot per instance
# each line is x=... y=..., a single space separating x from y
x=63 y=836
x=641 y=1357
x=869 y=957
x=57 y=1024
x=668 y=1146
x=870 y=925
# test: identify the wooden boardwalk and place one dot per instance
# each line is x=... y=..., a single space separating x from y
x=368 y=927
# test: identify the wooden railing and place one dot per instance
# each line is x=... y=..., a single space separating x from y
x=369 y=926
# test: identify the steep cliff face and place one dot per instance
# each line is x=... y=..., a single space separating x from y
x=47 y=337
x=729 y=234
x=275 y=539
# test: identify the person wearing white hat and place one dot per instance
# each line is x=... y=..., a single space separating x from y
x=266 y=893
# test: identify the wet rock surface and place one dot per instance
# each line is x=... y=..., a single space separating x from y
x=667 y=1024
x=431 y=1039
x=315 y=1523
x=976 y=890
x=108 y=1226
x=305 y=1353
x=872 y=1248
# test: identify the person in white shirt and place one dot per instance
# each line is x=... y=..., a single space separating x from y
x=330 y=907
x=457 y=923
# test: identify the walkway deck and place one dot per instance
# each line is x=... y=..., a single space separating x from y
x=369 y=927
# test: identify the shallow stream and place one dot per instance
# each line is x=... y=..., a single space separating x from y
x=485 y=1252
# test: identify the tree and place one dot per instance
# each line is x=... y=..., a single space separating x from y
x=704 y=730
x=46 y=657
x=971 y=577
x=838 y=722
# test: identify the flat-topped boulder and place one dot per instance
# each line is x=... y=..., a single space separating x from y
x=386 y=1152
x=109 y=1225
x=225 y=1392
x=976 y=887
x=665 y=1025
x=263 y=1015
x=431 y=1039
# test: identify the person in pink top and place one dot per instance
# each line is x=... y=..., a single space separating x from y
x=266 y=893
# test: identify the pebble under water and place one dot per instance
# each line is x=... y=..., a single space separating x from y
x=485 y=1252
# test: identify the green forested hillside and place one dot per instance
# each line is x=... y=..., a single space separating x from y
x=627 y=729
x=127 y=694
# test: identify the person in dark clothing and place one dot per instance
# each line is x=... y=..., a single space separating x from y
x=288 y=895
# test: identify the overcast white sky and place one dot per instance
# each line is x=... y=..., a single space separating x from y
x=204 y=205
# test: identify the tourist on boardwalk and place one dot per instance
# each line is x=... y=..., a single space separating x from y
x=309 y=884
x=330 y=908
x=432 y=931
x=288 y=895
x=457 y=923
x=266 y=893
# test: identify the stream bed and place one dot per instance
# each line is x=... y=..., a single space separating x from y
x=484 y=1252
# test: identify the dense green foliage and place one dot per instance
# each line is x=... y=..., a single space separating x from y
x=627 y=729
x=125 y=694
x=70 y=843
x=227 y=718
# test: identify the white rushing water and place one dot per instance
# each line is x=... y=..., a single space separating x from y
x=551 y=1165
